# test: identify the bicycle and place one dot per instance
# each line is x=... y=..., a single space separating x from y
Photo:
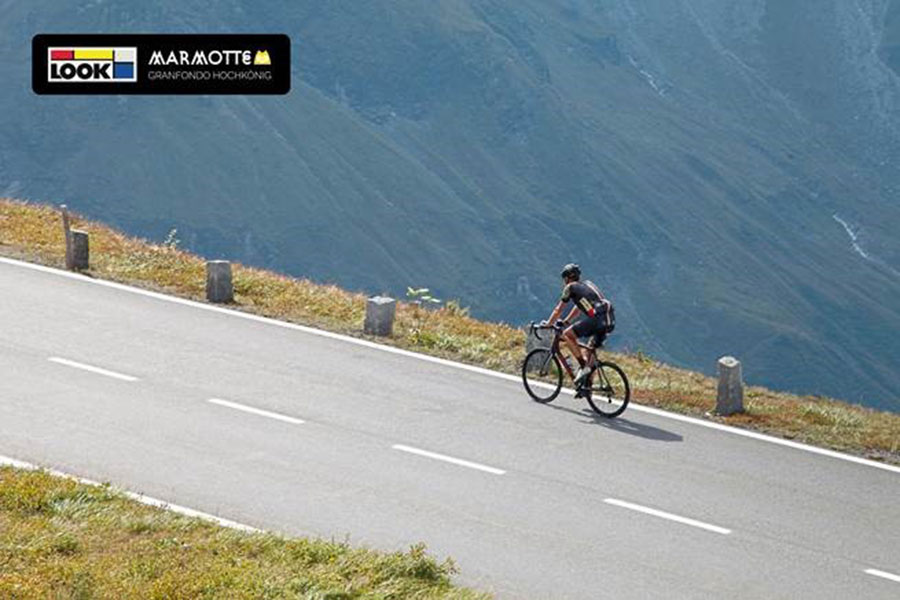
x=543 y=368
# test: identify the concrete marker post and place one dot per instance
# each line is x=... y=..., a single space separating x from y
x=80 y=250
x=532 y=342
x=730 y=393
x=219 y=287
x=380 y=311
x=67 y=231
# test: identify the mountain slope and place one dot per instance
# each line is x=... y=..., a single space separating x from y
x=708 y=163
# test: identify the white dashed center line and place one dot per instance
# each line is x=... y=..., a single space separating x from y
x=449 y=459
x=669 y=516
x=97 y=370
x=256 y=411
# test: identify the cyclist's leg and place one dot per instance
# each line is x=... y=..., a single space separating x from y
x=583 y=328
x=596 y=336
x=571 y=338
x=595 y=342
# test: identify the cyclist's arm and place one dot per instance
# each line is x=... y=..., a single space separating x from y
x=572 y=314
x=556 y=312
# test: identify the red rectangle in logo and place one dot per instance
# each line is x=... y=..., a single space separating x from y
x=62 y=54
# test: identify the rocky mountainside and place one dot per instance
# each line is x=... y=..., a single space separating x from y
x=725 y=169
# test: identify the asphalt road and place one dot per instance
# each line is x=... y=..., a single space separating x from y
x=387 y=450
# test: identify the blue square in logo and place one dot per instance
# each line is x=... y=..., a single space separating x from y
x=123 y=70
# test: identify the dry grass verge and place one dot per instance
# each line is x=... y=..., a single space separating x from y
x=33 y=232
x=63 y=539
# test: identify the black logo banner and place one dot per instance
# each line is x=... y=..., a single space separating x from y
x=161 y=64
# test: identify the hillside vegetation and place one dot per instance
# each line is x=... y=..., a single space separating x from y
x=725 y=169
x=34 y=232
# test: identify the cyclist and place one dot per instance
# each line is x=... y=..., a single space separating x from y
x=596 y=322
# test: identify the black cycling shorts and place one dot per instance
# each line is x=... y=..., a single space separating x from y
x=593 y=328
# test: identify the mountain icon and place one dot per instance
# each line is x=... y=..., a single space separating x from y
x=262 y=58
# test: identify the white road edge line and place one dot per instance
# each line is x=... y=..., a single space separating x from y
x=449 y=459
x=443 y=361
x=256 y=411
x=97 y=370
x=883 y=574
x=666 y=515
x=149 y=501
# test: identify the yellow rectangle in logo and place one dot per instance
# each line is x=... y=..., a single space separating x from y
x=93 y=54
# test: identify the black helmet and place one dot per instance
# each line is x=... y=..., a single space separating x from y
x=571 y=271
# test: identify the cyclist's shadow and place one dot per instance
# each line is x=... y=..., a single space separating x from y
x=624 y=425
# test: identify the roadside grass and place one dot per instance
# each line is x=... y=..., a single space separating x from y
x=34 y=232
x=63 y=539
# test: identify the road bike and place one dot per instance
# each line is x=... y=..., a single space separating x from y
x=606 y=389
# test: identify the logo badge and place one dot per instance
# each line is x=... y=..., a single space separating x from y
x=160 y=63
x=91 y=65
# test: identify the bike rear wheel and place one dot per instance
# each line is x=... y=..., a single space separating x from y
x=542 y=375
x=610 y=391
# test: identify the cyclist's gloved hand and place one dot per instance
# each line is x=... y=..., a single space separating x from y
x=560 y=324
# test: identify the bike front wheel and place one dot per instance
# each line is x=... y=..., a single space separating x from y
x=542 y=375
x=610 y=391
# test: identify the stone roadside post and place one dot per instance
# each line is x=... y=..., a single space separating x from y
x=380 y=311
x=77 y=244
x=80 y=251
x=532 y=341
x=219 y=287
x=730 y=396
x=67 y=231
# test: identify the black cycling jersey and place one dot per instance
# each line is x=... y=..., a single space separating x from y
x=589 y=300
